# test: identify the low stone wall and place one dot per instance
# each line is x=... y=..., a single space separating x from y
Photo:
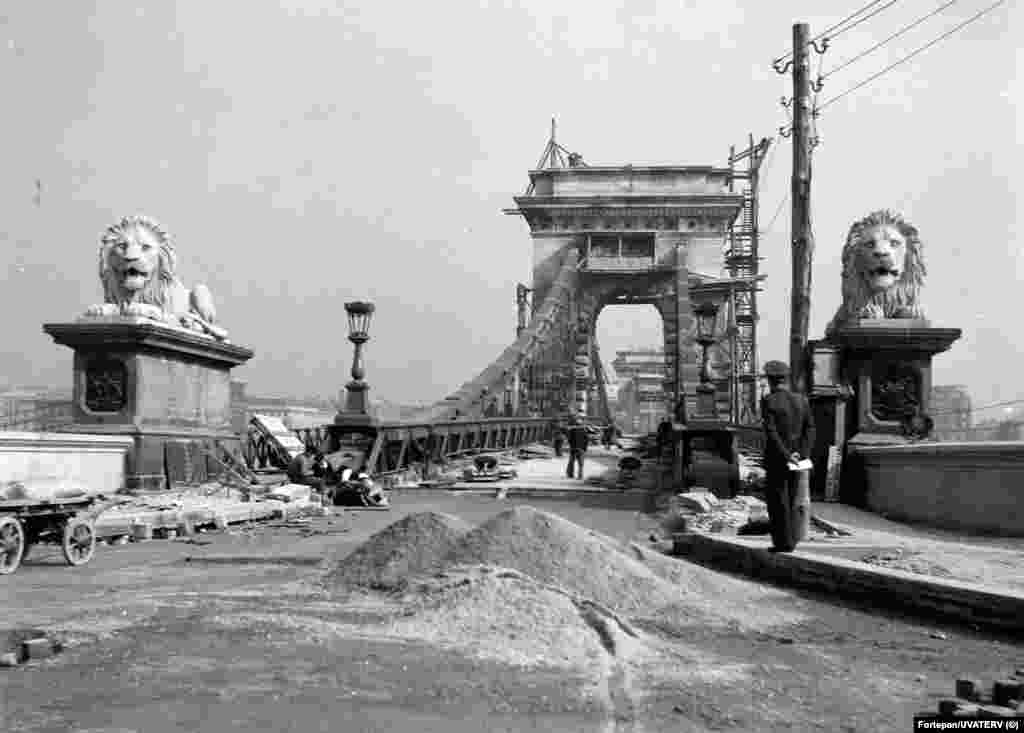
x=971 y=486
x=95 y=462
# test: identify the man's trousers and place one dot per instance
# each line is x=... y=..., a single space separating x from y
x=781 y=500
x=575 y=459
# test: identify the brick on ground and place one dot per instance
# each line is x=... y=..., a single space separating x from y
x=39 y=648
x=968 y=689
x=1005 y=690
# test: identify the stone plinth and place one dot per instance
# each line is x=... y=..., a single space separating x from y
x=718 y=469
x=968 y=486
x=169 y=389
x=888 y=363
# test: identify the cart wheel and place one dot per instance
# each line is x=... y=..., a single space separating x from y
x=79 y=541
x=12 y=545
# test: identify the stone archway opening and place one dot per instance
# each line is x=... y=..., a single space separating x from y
x=632 y=350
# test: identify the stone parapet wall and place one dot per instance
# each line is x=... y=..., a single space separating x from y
x=93 y=462
x=970 y=486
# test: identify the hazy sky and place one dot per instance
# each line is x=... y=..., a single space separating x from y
x=308 y=153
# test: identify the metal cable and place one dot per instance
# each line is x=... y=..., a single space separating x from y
x=911 y=55
x=869 y=16
x=894 y=36
x=775 y=216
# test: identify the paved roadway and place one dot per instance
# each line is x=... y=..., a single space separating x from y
x=144 y=654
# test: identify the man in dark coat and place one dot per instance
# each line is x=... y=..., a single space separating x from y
x=789 y=436
x=578 y=442
x=558 y=438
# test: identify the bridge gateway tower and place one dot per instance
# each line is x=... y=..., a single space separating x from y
x=658 y=235
x=668 y=236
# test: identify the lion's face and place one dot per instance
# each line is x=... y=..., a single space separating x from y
x=881 y=257
x=136 y=262
x=135 y=258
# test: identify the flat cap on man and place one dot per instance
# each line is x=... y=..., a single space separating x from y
x=776 y=369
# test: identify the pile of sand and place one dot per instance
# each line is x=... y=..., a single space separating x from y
x=499 y=614
x=553 y=550
x=556 y=554
x=414 y=545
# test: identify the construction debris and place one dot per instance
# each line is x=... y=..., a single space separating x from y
x=1005 y=701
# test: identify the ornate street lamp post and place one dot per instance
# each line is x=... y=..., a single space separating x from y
x=707 y=313
x=357 y=401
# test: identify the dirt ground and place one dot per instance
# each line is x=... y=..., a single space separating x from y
x=234 y=632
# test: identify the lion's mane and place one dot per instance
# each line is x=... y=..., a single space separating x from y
x=158 y=286
x=898 y=301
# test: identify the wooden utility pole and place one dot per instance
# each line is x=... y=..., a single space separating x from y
x=802 y=238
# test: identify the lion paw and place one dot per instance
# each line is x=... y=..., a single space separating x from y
x=102 y=309
x=871 y=311
x=143 y=310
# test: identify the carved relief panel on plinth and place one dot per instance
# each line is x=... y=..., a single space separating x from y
x=896 y=392
x=106 y=385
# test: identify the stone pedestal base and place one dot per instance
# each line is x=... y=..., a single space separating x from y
x=166 y=388
x=887 y=365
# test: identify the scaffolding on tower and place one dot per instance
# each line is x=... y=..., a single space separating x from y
x=742 y=263
x=555 y=156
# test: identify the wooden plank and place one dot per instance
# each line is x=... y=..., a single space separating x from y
x=832 y=473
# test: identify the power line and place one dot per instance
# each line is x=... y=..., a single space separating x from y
x=869 y=16
x=832 y=28
x=894 y=36
x=775 y=216
x=911 y=55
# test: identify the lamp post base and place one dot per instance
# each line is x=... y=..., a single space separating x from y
x=357 y=399
x=707 y=409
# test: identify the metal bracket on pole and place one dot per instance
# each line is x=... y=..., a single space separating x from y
x=783 y=69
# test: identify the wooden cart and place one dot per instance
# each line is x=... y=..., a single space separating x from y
x=25 y=522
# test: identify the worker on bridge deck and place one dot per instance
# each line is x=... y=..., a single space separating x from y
x=578 y=442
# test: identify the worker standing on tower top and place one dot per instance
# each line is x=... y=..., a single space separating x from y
x=789 y=435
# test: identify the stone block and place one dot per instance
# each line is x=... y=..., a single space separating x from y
x=95 y=463
x=1005 y=690
x=700 y=502
x=40 y=648
x=290 y=492
x=965 y=710
x=968 y=689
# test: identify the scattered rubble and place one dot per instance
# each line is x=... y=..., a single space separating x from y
x=908 y=561
x=701 y=511
x=186 y=511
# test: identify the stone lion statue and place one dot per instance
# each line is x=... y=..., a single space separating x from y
x=137 y=270
x=883 y=270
